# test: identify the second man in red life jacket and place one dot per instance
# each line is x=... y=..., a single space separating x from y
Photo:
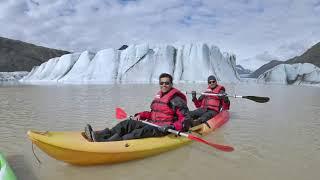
x=209 y=106
x=168 y=110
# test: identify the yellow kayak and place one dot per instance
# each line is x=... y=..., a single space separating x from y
x=74 y=148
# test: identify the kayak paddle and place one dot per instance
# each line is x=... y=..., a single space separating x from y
x=121 y=114
x=258 y=99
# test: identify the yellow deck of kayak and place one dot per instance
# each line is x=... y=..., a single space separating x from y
x=74 y=148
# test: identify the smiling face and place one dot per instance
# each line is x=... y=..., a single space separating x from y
x=212 y=84
x=165 y=84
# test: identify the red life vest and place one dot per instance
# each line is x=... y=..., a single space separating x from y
x=212 y=102
x=161 y=112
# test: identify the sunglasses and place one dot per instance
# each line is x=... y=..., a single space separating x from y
x=211 y=82
x=164 y=83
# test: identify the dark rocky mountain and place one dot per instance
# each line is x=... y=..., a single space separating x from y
x=20 y=56
x=312 y=56
x=123 y=47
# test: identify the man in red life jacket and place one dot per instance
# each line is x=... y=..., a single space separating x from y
x=168 y=110
x=209 y=106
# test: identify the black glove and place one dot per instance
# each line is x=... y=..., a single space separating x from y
x=223 y=95
x=165 y=128
x=194 y=94
x=226 y=99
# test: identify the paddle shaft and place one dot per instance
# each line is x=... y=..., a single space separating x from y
x=169 y=130
x=252 y=98
x=212 y=94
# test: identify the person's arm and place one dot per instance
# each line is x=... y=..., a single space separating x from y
x=197 y=102
x=182 y=112
x=225 y=100
x=143 y=115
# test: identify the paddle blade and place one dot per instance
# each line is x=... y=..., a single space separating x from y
x=257 y=98
x=217 y=146
x=120 y=113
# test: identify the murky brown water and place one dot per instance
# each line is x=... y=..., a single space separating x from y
x=276 y=140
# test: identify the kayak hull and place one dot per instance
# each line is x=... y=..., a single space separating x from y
x=6 y=172
x=91 y=153
x=74 y=148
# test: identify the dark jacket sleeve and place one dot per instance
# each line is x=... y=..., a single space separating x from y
x=182 y=111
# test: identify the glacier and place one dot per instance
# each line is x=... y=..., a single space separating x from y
x=295 y=74
x=12 y=76
x=141 y=63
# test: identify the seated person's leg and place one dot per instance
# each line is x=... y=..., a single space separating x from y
x=207 y=115
x=144 y=132
x=114 y=137
x=204 y=117
x=122 y=128
x=196 y=113
x=126 y=126
x=103 y=135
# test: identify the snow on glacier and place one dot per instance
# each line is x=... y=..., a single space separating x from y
x=52 y=70
x=142 y=63
x=298 y=74
x=102 y=68
x=77 y=73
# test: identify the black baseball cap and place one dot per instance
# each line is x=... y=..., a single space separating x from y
x=211 y=78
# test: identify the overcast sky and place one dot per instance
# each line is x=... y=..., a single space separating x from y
x=255 y=31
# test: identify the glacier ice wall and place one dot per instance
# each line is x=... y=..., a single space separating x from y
x=142 y=63
x=297 y=74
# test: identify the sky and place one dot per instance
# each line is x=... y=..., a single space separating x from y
x=256 y=31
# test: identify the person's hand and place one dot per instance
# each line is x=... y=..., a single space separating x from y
x=224 y=96
x=137 y=117
x=194 y=94
x=166 y=127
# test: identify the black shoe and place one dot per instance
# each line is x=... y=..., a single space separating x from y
x=90 y=133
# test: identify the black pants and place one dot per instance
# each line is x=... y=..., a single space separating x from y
x=201 y=115
x=130 y=129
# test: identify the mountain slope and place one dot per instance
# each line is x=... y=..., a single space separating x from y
x=264 y=68
x=312 y=56
x=242 y=70
x=20 y=56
